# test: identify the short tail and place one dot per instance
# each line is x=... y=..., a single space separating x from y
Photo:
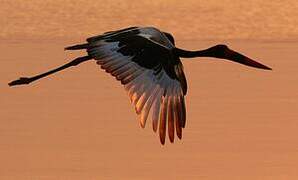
x=77 y=47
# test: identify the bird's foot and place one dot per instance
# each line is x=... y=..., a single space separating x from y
x=22 y=80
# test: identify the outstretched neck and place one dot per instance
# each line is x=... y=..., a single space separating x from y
x=191 y=54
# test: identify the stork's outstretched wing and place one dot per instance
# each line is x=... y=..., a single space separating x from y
x=142 y=59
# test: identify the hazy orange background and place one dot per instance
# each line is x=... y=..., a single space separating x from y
x=78 y=124
x=188 y=20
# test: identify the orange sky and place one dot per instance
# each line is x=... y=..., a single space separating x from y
x=79 y=124
x=188 y=19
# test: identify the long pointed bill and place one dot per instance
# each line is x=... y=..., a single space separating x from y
x=239 y=58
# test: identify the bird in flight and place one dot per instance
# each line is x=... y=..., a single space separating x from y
x=148 y=64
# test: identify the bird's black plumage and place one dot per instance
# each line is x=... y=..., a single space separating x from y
x=152 y=52
x=148 y=64
x=143 y=50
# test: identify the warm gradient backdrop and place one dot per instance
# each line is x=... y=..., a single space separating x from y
x=242 y=123
x=188 y=19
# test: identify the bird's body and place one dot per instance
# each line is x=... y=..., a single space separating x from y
x=143 y=60
x=148 y=64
